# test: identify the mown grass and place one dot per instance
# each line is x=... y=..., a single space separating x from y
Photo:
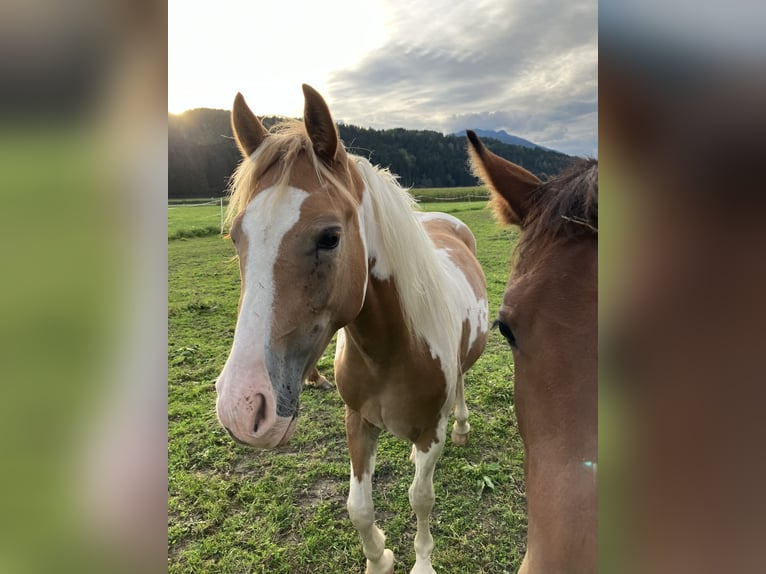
x=234 y=509
x=201 y=221
x=438 y=194
x=185 y=222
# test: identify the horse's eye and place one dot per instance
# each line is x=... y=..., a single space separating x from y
x=329 y=239
x=506 y=332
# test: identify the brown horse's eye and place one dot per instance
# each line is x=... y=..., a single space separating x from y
x=329 y=239
x=506 y=332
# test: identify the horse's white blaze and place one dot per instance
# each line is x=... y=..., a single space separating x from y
x=266 y=220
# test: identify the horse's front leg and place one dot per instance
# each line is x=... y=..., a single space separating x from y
x=362 y=444
x=422 y=498
x=461 y=427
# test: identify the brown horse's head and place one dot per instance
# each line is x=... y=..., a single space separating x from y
x=295 y=212
x=549 y=318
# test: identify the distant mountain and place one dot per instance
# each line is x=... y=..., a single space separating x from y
x=503 y=136
x=202 y=154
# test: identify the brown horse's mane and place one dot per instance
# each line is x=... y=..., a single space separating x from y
x=563 y=208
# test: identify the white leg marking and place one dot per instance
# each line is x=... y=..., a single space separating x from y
x=422 y=500
x=362 y=513
x=461 y=427
x=340 y=343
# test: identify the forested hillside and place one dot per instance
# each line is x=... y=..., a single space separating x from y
x=202 y=154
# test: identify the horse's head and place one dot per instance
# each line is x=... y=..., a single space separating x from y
x=549 y=314
x=296 y=227
x=549 y=318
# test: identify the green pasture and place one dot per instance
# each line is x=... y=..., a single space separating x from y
x=202 y=220
x=232 y=509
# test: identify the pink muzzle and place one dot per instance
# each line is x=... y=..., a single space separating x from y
x=246 y=408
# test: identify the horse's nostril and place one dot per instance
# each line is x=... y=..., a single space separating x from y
x=260 y=411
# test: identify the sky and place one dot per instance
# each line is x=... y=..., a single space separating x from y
x=529 y=67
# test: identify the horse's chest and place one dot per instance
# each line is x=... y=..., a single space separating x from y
x=403 y=397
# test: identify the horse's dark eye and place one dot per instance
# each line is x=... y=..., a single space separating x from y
x=506 y=332
x=329 y=239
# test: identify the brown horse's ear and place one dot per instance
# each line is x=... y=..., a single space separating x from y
x=510 y=184
x=248 y=130
x=319 y=125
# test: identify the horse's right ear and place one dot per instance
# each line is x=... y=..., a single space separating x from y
x=248 y=130
x=510 y=184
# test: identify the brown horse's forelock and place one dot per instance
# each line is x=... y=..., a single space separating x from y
x=562 y=208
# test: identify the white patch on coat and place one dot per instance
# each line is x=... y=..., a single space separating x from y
x=425 y=216
x=476 y=311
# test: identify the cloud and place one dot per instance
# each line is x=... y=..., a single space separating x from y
x=528 y=68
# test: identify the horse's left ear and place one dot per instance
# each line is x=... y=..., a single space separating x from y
x=510 y=184
x=319 y=125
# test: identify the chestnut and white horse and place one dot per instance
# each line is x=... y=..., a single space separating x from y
x=327 y=241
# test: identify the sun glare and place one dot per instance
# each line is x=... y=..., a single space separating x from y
x=328 y=36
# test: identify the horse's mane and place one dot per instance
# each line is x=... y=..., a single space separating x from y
x=405 y=248
x=564 y=207
x=401 y=244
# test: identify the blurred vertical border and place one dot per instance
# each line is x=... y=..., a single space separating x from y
x=83 y=162
x=682 y=132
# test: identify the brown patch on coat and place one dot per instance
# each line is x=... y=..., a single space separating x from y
x=387 y=376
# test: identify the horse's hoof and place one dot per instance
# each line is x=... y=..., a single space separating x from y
x=423 y=568
x=459 y=439
x=324 y=385
x=321 y=384
x=384 y=566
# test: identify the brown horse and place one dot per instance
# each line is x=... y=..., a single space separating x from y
x=326 y=241
x=549 y=318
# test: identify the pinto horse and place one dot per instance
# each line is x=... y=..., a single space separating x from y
x=326 y=241
x=549 y=318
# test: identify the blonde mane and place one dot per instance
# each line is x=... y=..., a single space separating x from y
x=429 y=303
x=393 y=236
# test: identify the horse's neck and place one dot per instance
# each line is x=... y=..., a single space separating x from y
x=407 y=303
x=380 y=329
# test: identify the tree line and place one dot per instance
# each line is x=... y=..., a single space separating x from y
x=202 y=154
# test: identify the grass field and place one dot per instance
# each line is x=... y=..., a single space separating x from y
x=233 y=509
x=205 y=220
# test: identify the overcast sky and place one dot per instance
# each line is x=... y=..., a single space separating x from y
x=528 y=67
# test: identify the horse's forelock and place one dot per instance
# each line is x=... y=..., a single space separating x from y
x=286 y=144
x=564 y=207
